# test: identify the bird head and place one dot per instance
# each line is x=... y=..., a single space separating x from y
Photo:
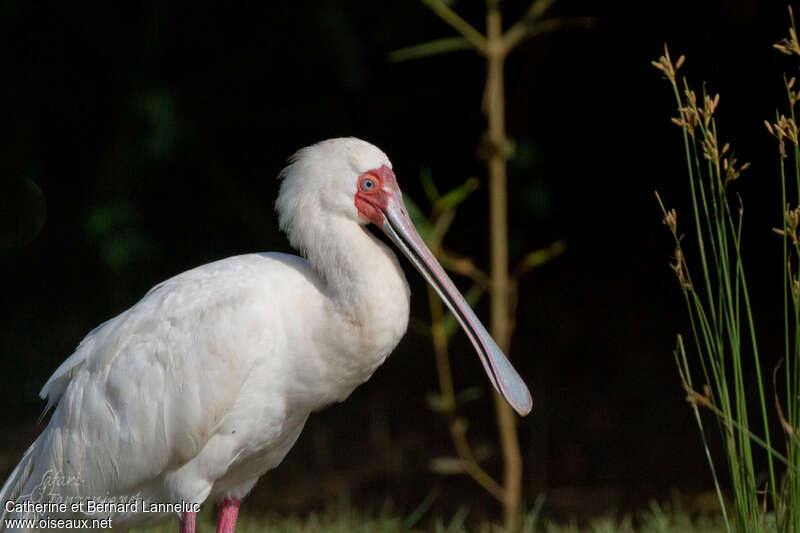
x=353 y=179
x=345 y=177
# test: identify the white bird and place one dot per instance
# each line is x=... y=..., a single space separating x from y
x=204 y=385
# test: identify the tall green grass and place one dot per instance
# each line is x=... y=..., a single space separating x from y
x=742 y=394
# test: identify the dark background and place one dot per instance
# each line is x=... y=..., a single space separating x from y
x=155 y=132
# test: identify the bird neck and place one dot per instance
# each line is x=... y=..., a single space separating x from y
x=362 y=275
x=366 y=307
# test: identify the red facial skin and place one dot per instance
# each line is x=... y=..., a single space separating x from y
x=370 y=204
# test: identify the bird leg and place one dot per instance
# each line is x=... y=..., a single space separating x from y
x=227 y=515
x=187 y=522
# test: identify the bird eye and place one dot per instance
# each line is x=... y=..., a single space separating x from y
x=367 y=185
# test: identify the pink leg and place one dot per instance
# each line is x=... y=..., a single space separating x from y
x=187 y=522
x=227 y=515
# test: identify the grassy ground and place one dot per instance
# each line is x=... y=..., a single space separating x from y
x=345 y=519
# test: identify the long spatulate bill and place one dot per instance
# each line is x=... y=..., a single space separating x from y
x=506 y=381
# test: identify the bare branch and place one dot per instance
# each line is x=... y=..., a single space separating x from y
x=510 y=40
x=539 y=257
x=465 y=267
x=516 y=33
x=458 y=432
x=473 y=36
x=430 y=48
x=538 y=9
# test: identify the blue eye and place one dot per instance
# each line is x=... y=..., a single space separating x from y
x=367 y=185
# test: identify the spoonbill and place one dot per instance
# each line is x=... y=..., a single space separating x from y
x=204 y=385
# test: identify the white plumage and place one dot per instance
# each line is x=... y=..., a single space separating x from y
x=205 y=384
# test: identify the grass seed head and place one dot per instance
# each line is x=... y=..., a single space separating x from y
x=671 y=221
x=784 y=128
x=710 y=150
x=709 y=106
x=678 y=267
x=795 y=285
x=788 y=45
x=691 y=96
x=787 y=127
x=791 y=218
x=791 y=223
x=695 y=398
x=794 y=96
x=679 y=122
x=665 y=65
x=689 y=119
x=732 y=172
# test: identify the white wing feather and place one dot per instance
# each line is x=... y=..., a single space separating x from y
x=136 y=415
